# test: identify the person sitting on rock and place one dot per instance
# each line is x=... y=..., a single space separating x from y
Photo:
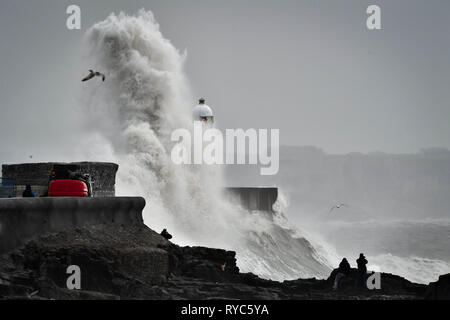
x=166 y=235
x=362 y=271
x=28 y=193
x=343 y=270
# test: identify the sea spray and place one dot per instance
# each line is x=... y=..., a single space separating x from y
x=144 y=98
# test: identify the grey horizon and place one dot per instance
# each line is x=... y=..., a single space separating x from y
x=308 y=68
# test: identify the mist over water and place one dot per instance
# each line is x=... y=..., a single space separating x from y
x=145 y=97
x=398 y=206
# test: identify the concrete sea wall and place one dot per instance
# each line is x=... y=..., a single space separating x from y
x=21 y=219
x=254 y=198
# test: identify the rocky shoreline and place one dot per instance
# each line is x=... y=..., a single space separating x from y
x=134 y=262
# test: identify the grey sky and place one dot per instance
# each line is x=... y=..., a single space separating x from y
x=309 y=68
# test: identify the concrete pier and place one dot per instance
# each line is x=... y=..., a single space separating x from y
x=254 y=198
x=21 y=219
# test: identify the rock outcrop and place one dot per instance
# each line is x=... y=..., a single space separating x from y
x=135 y=262
x=439 y=290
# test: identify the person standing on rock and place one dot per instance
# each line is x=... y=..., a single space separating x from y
x=343 y=270
x=362 y=271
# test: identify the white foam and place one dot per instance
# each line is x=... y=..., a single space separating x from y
x=144 y=98
x=415 y=269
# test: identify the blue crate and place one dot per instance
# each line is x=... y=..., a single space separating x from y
x=7 y=188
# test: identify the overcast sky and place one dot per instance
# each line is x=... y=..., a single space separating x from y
x=309 y=68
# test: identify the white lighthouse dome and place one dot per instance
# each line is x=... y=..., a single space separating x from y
x=202 y=111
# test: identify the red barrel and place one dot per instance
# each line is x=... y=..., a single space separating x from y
x=67 y=188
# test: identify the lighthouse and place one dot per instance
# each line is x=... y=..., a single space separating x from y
x=202 y=112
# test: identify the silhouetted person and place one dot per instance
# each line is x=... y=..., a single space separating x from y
x=343 y=270
x=166 y=235
x=362 y=271
x=28 y=193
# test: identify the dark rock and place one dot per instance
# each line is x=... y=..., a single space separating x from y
x=439 y=290
x=390 y=284
x=203 y=263
x=135 y=262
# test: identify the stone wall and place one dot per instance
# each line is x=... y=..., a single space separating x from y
x=21 y=219
x=37 y=175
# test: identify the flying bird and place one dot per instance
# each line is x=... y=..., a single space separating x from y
x=93 y=74
x=339 y=206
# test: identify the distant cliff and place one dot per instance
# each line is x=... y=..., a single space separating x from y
x=409 y=186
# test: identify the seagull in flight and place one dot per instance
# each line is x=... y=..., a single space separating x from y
x=93 y=74
x=339 y=206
